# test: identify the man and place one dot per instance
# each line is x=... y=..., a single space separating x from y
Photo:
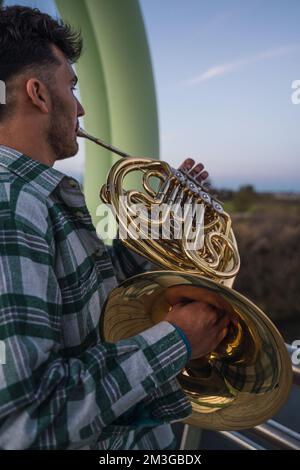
x=61 y=387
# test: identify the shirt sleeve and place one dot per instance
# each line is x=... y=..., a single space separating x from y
x=163 y=400
x=48 y=401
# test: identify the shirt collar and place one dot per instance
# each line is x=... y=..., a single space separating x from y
x=44 y=178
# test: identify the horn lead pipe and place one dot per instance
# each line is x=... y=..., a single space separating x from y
x=82 y=133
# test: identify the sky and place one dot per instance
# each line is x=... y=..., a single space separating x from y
x=223 y=73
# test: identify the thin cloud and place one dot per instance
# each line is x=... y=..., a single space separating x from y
x=223 y=69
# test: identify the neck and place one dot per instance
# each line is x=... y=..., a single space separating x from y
x=29 y=140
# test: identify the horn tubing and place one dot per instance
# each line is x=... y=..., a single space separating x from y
x=82 y=133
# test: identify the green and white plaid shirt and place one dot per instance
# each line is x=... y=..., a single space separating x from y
x=61 y=387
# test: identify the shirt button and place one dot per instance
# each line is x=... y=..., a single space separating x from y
x=73 y=183
x=98 y=253
x=79 y=214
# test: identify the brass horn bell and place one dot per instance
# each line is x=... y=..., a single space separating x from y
x=248 y=378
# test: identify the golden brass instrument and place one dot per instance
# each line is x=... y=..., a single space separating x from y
x=248 y=378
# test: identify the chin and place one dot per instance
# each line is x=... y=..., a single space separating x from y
x=75 y=149
x=72 y=149
x=68 y=152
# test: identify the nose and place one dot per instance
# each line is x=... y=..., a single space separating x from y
x=80 y=110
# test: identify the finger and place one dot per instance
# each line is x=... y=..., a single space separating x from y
x=187 y=164
x=179 y=293
x=224 y=323
x=174 y=295
x=222 y=334
x=197 y=170
x=202 y=176
x=223 y=317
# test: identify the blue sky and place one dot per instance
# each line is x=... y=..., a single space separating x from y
x=223 y=73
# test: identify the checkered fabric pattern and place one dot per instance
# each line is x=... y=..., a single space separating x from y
x=61 y=387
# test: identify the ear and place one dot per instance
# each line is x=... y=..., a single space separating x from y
x=38 y=94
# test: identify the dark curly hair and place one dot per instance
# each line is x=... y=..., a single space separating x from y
x=26 y=37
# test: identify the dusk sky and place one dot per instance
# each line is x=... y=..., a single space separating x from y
x=223 y=74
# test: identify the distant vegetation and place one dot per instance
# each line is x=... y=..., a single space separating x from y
x=267 y=228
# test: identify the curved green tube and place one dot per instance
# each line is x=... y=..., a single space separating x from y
x=116 y=85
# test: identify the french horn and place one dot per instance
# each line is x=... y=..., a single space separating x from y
x=248 y=378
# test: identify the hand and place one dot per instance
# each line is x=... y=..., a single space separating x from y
x=195 y=170
x=202 y=325
x=203 y=316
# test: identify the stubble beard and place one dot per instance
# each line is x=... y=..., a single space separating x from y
x=61 y=135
